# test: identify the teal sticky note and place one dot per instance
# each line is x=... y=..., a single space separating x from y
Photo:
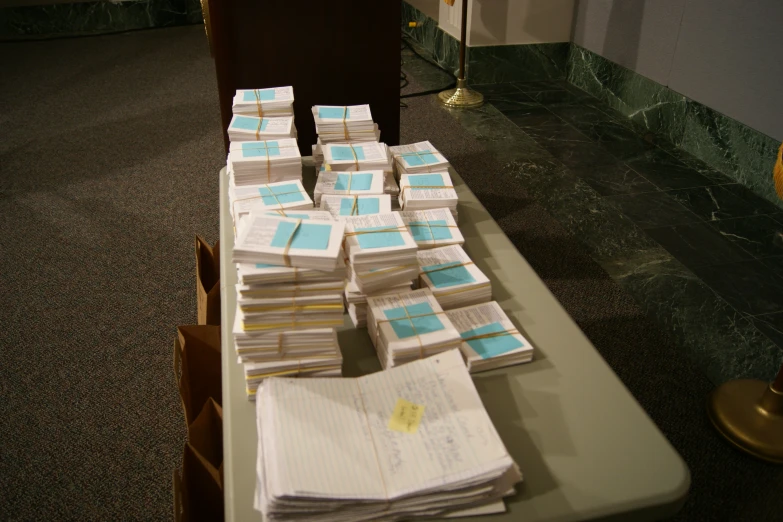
x=446 y=277
x=289 y=215
x=279 y=194
x=419 y=158
x=260 y=148
x=347 y=153
x=379 y=239
x=364 y=206
x=334 y=112
x=264 y=265
x=436 y=229
x=426 y=180
x=405 y=323
x=263 y=95
x=356 y=181
x=491 y=346
x=307 y=235
x=249 y=123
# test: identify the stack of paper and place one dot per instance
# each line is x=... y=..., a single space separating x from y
x=266 y=274
x=271 y=161
x=410 y=443
x=381 y=251
x=409 y=326
x=300 y=242
x=344 y=124
x=253 y=128
x=343 y=206
x=276 y=101
x=364 y=183
x=452 y=277
x=280 y=197
x=428 y=191
x=357 y=157
x=489 y=338
x=432 y=228
x=417 y=158
x=357 y=301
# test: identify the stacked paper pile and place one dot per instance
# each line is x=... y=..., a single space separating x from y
x=428 y=191
x=344 y=206
x=409 y=326
x=364 y=183
x=344 y=124
x=270 y=197
x=414 y=442
x=290 y=294
x=432 y=228
x=276 y=101
x=357 y=301
x=271 y=161
x=360 y=157
x=381 y=251
x=489 y=338
x=453 y=278
x=417 y=158
x=253 y=128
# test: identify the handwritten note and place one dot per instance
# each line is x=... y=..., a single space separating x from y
x=406 y=417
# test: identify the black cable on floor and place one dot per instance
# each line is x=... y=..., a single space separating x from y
x=431 y=62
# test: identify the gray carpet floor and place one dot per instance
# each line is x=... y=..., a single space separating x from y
x=109 y=152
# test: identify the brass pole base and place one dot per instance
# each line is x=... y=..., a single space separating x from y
x=749 y=414
x=461 y=97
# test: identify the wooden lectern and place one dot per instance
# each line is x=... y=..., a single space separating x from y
x=333 y=52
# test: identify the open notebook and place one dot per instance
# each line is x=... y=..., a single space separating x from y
x=413 y=441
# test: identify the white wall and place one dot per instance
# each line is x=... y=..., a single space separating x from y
x=725 y=54
x=511 y=22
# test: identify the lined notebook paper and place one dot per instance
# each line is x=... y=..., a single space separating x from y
x=412 y=441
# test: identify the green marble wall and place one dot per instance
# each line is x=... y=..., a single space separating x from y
x=725 y=144
x=489 y=64
x=95 y=17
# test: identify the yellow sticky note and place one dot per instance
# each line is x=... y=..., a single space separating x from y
x=406 y=417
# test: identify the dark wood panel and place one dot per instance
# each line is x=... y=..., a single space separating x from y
x=333 y=52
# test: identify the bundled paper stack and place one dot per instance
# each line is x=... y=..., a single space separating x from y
x=266 y=274
x=381 y=251
x=364 y=183
x=357 y=157
x=271 y=161
x=270 y=197
x=275 y=101
x=344 y=124
x=489 y=338
x=413 y=442
x=409 y=326
x=428 y=191
x=432 y=228
x=453 y=278
x=417 y=158
x=253 y=128
x=344 y=206
x=357 y=301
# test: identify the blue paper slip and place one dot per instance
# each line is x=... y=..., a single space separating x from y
x=249 y=123
x=407 y=325
x=288 y=193
x=289 y=215
x=426 y=180
x=263 y=148
x=422 y=157
x=263 y=95
x=334 y=112
x=356 y=181
x=307 y=235
x=364 y=206
x=369 y=239
x=264 y=265
x=346 y=153
x=491 y=346
x=446 y=277
x=436 y=229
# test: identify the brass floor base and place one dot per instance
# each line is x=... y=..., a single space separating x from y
x=749 y=414
x=461 y=97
